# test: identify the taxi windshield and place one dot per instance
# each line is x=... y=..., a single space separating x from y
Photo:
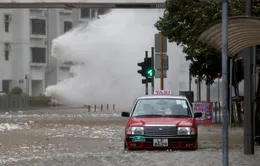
x=169 y=107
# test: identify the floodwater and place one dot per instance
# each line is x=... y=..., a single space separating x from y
x=77 y=137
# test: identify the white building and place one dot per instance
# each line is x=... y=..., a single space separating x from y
x=26 y=36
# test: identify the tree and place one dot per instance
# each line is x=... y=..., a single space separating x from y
x=16 y=91
x=184 y=20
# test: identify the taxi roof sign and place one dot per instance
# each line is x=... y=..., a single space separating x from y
x=162 y=92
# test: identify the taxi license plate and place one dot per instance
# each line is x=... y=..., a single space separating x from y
x=160 y=142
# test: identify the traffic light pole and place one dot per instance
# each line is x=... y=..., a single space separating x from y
x=161 y=61
x=146 y=80
x=152 y=82
x=146 y=86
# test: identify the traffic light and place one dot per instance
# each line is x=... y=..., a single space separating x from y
x=142 y=71
x=147 y=69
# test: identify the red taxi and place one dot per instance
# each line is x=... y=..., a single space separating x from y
x=161 y=121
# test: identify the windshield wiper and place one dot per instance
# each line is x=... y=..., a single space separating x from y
x=146 y=115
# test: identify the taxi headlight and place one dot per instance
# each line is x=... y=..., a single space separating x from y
x=186 y=131
x=135 y=131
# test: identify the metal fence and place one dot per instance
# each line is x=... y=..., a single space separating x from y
x=13 y=103
x=235 y=116
x=216 y=113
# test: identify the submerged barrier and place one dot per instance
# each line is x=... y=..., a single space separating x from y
x=100 y=107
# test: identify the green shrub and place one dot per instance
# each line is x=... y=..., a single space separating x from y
x=16 y=91
x=39 y=101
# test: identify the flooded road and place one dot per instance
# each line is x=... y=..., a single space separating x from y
x=76 y=137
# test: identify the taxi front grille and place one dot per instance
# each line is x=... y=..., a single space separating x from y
x=160 y=130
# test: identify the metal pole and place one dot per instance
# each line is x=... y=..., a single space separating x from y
x=199 y=89
x=146 y=79
x=49 y=26
x=26 y=84
x=248 y=102
x=225 y=82
x=248 y=105
x=161 y=61
x=218 y=90
x=208 y=92
x=190 y=79
x=230 y=90
x=146 y=86
x=152 y=83
x=254 y=88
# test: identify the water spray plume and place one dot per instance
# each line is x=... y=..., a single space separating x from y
x=107 y=51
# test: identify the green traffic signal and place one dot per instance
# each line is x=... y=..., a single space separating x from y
x=150 y=73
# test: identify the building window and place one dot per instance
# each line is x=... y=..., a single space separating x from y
x=93 y=13
x=7 y=20
x=85 y=13
x=67 y=26
x=5 y=86
x=7 y=50
x=38 y=26
x=102 y=11
x=38 y=55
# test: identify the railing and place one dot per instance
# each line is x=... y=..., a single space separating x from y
x=13 y=103
x=101 y=107
x=216 y=113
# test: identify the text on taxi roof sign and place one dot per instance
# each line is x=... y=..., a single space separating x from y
x=162 y=92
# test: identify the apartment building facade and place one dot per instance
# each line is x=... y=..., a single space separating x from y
x=25 y=51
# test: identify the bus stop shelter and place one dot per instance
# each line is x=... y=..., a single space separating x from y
x=243 y=35
x=243 y=32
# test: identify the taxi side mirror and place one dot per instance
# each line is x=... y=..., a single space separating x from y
x=125 y=114
x=197 y=114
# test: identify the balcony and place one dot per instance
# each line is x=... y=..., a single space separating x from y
x=66 y=11
x=38 y=36
x=37 y=64
x=38 y=9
